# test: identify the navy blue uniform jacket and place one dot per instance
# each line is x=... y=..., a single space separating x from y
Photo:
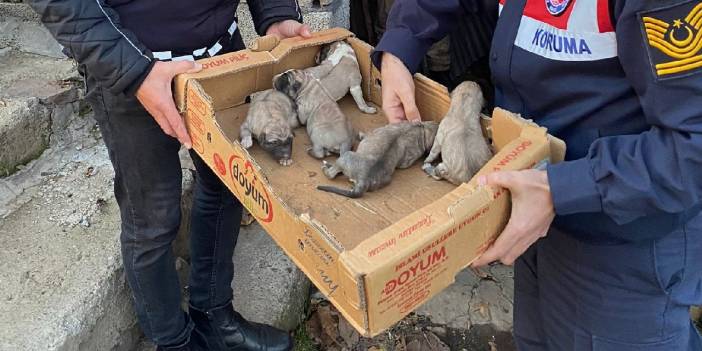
x=618 y=80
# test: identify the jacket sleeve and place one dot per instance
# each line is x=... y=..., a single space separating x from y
x=266 y=12
x=659 y=171
x=91 y=33
x=414 y=25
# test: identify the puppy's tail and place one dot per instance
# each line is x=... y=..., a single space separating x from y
x=343 y=192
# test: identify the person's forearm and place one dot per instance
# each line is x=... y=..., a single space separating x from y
x=414 y=25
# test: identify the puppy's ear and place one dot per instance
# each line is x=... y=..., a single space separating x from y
x=280 y=83
x=296 y=85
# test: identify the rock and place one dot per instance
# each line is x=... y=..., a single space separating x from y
x=24 y=132
x=32 y=95
x=490 y=306
x=34 y=38
x=21 y=29
x=473 y=300
x=8 y=31
x=67 y=282
x=268 y=287
x=18 y=11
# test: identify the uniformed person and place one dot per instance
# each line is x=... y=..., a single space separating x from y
x=129 y=51
x=607 y=245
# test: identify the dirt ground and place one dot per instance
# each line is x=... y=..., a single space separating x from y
x=326 y=330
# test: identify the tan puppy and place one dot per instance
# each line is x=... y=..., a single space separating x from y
x=270 y=120
x=338 y=71
x=329 y=129
x=460 y=140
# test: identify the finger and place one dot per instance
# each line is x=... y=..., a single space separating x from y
x=163 y=123
x=491 y=255
x=504 y=179
x=391 y=106
x=178 y=67
x=304 y=31
x=290 y=28
x=176 y=122
x=513 y=254
x=499 y=249
x=409 y=105
x=394 y=114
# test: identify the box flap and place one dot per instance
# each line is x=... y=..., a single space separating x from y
x=243 y=63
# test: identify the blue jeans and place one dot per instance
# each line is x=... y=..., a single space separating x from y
x=148 y=190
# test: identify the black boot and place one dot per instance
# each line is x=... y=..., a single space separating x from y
x=226 y=330
x=196 y=342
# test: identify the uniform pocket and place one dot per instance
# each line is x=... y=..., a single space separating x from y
x=670 y=344
x=669 y=260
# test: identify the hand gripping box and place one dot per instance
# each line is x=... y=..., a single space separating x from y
x=378 y=257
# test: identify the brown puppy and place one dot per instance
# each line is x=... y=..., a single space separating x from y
x=372 y=165
x=338 y=71
x=270 y=120
x=460 y=141
x=329 y=129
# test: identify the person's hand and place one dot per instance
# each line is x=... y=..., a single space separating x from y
x=532 y=214
x=157 y=98
x=288 y=29
x=397 y=90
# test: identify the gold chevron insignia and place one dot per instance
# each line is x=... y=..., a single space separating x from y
x=679 y=40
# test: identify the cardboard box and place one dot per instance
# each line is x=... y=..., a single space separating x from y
x=376 y=258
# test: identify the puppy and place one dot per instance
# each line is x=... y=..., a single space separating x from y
x=460 y=141
x=328 y=128
x=338 y=71
x=271 y=118
x=371 y=166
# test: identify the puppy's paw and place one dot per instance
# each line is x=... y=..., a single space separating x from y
x=441 y=171
x=430 y=171
x=329 y=170
x=369 y=110
x=246 y=142
x=285 y=162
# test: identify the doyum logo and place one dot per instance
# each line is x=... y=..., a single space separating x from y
x=414 y=270
x=254 y=195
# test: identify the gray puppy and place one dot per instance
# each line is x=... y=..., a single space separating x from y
x=329 y=129
x=371 y=166
x=270 y=120
x=338 y=71
x=460 y=141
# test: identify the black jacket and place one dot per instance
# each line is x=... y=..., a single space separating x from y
x=113 y=39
